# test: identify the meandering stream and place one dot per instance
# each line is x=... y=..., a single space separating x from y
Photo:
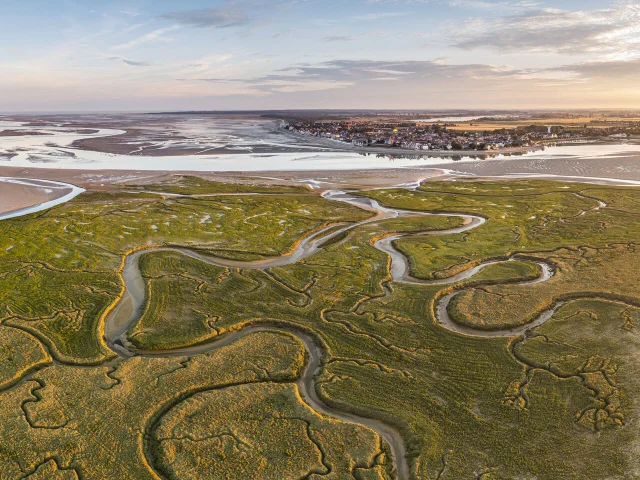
x=129 y=309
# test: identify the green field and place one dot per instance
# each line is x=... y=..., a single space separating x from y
x=558 y=401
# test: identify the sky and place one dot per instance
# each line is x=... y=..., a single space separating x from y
x=161 y=55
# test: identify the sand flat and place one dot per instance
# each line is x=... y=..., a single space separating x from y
x=16 y=196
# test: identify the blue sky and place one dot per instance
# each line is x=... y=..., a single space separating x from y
x=143 y=55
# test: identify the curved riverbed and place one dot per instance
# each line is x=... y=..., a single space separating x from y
x=306 y=386
x=129 y=309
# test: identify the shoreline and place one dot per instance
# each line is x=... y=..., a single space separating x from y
x=337 y=146
x=71 y=183
x=262 y=151
x=36 y=195
x=621 y=169
x=317 y=172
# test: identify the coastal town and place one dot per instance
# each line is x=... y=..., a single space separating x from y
x=452 y=136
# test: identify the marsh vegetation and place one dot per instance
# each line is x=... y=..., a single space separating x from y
x=466 y=406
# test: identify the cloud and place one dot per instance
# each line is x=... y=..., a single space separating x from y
x=136 y=64
x=364 y=70
x=492 y=4
x=338 y=38
x=336 y=74
x=604 y=31
x=393 y=72
x=149 y=37
x=233 y=13
x=210 y=60
x=133 y=63
x=312 y=86
x=379 y=16
x=210 y=17
x=130 y=13
x=605 y=70
x=513 y=4
x=437 y=79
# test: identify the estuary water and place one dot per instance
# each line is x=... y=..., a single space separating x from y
x=51 y=147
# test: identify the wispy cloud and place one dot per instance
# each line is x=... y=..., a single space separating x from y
x=512 y=4
x=493 y=4
x=379 y=16
x=152 y=36
x=210 y=17
x=605 y=70
x=338 y=38
x=130 y=13
x=232 y=13
x=419 y=76
x=130 y=62
x=274 y=49
x=604 y=31
x=136 y=64
x=210 y=60
x=346 y=73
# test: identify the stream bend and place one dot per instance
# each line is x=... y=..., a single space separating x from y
x=129 y=308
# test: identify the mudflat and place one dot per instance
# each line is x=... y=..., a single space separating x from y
x=15 y=196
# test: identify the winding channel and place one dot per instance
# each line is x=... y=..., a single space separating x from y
x=129 y=308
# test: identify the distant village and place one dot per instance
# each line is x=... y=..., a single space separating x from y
x=427 y=136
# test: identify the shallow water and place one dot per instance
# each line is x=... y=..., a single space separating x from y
x=55 y=151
